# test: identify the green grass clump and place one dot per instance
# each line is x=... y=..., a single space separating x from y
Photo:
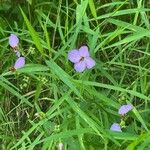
x=46 y=102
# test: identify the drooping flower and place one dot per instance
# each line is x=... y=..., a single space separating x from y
x=125 y=109
x=20 y=62
x=115 y=127
x=18 y=54
x=60 y=146
x=81 y=59
x=13 y=40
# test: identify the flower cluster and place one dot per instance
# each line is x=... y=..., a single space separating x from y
x=81 y=59
x=123 y=110
x=13 y=42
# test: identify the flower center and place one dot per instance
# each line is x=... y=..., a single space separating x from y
x=82 y=58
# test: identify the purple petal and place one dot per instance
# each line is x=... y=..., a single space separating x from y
x=60 y=146
x=74 y=56
x=84 y=51
x=115 y=127
x=13 y=40
x=90 y=63
x=20 y=62
x=125 y=109
x=80 y=66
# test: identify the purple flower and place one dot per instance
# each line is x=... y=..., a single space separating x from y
x=81 y=59
x=125 y=109
x=13 y=40
x=60 y=146
x=20 y=62
x=115 y=127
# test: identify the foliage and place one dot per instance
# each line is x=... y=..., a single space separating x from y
x=46 y=102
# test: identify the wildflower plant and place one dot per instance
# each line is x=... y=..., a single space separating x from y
x=20 y=62
x=81 y=59
x=13 y=41
x=124 y=109
x=78 y=101
x=115 y=127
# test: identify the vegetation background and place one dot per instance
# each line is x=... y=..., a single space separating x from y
x=46 y=102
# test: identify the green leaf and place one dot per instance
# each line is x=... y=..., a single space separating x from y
x=14 y=92
x=31 y=68
x=139 y=117
x=112 y=87
x=33 y=33
x=63 y=76
x=92 y=8
x=85 y=117
x=80 y=10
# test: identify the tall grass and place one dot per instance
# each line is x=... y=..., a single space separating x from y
x=46 y=102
